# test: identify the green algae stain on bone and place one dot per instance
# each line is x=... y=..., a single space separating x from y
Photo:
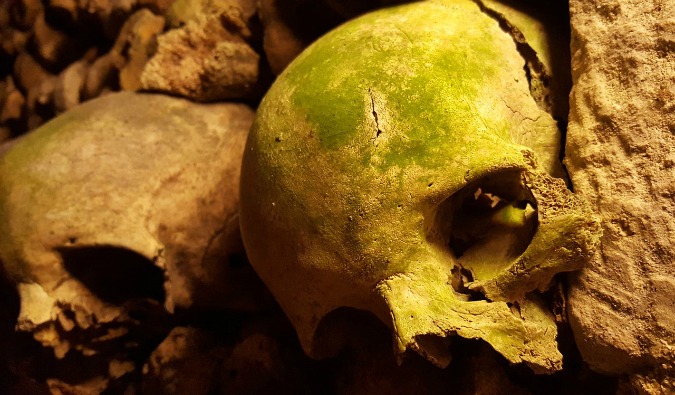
x=426 y=76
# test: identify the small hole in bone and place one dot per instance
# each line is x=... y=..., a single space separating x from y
x=115 y=275
x=459 y=278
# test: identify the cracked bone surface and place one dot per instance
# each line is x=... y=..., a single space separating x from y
x=118 y=212
x=363 y=160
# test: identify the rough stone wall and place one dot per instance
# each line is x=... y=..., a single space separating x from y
x=621 y=157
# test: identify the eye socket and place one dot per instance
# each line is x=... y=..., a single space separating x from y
x=493 y=222
x=486 y=225
x=115 y=275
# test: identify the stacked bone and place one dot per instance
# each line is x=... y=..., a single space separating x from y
x=60 y=54
x=56 y=54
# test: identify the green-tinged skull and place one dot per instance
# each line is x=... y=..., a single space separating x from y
x=401 y=165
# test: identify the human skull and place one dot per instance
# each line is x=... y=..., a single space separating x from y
x=400 y=165
x=120 y=211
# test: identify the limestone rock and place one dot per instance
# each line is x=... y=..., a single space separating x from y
x=205 y=60
x=621 y=157
x=182 y=11
x=142 y=30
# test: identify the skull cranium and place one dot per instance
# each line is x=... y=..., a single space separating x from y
x=401 y=166
x=119 y=211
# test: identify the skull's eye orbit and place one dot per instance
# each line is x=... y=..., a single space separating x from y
x=115 y=275
x=493 y=222
x=488 y=224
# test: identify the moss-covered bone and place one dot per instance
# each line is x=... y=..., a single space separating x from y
x=354 y=159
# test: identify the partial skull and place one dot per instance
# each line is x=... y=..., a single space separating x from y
x=402 y=165
x=120 y=211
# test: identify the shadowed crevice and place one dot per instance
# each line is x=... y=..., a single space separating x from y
x=115 y=275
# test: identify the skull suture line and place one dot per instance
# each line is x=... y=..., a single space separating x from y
x=401 y=166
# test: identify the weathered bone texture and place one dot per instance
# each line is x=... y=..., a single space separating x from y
x=112 y=209
x=358 y=162
x=621 y=157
